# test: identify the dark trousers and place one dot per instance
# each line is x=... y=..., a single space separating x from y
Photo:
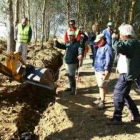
x=138 y=82
x=121 y=96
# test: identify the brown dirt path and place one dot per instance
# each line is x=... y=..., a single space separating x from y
x=76 y=117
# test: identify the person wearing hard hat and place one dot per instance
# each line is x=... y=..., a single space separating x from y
x=72 y=27
x=73 y=54
x=129 y=69
x=102 y=66
x=108 y=33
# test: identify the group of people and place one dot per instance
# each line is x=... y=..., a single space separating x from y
x=103 y=46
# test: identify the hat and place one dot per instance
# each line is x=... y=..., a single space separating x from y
x=99 y=37
x=127 y=29
x=71 y=33
x=109 y=24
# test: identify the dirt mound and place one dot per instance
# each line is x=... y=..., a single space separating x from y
x=22 y=105
x=48 y=57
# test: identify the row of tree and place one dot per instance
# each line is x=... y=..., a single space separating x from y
x=50 y=16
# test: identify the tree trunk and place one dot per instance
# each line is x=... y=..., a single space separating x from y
x=47 y=28
x=10 y=27
x=131 y=11
x=43 y=23
x=67 y=11
x=78 y=12
x=17 y=13
x=35 y=28
x=111 y=11
x=23 y=8
x=118 y=12
x=28 y=5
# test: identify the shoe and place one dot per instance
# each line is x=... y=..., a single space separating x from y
x=137 y=119
x=98 y=100
x=113 y=122
x=72 y=92
x=134 y=119
x=101 y=105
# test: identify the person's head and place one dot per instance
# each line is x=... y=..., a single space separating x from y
x=126 y=32
x=71 y=35
x=100 y=40
x=24 y=21
x=71 y=23
x=110 y=25
x=81 y=28
x=95 y=28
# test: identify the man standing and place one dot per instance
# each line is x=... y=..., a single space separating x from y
x=72 y=55
x=22 y=36
x=102 y=65
x=129 y=69
x=108 y=33
x=72 y=27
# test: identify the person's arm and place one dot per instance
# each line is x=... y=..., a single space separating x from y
x=109 y=61
x=30 y=34
x=59 y=45
x=123 y=47
x=15 y=33
x=80 y=51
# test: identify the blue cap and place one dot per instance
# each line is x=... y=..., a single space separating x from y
x=109 y=24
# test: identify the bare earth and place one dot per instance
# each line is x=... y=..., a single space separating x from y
x=76 y=117
x=70 y=117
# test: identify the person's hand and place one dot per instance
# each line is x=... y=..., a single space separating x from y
x=29 y=43
x=114 y=35
x=54 y=38
x=80 y=57
x=82 y=35
x=106 y=75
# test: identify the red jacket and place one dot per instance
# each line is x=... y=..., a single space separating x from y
x=66 y=38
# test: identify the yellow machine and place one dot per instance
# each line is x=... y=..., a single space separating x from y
x=42 y=77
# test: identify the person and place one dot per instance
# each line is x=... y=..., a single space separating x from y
x=83 y=42
x=72 y=27
x=91 y=38
x=22 y=36
x=129 y=68
x=84 y=38
x=108 y=33
x=102 y=66
x=73 y=53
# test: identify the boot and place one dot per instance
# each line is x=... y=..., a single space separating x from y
x=72 y=84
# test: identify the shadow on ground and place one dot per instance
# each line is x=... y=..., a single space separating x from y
x=33 y=102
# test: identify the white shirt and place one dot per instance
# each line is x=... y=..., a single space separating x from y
x=122 y=64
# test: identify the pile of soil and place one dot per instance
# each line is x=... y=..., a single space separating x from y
x=22 y=105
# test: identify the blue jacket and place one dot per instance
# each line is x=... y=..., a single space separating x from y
x=103 y=59
x=108 y=36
